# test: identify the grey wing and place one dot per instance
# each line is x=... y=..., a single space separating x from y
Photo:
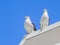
x=34 y=26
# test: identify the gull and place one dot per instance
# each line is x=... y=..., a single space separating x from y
x=44 y=19
x=28 y=25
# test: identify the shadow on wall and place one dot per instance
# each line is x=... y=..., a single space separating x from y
x=57 y=44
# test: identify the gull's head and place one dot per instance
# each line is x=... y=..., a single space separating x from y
x=45 y=10
x=27 y=17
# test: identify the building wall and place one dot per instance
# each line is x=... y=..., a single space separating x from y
x=48 y=38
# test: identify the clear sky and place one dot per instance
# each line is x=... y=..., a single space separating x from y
x=12 y=13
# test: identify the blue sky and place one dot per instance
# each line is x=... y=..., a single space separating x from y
x=12 y=13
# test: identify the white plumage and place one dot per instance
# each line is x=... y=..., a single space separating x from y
x=44 y=19
x=28 y=25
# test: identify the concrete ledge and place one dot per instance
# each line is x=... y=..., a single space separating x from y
x=36 y=36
